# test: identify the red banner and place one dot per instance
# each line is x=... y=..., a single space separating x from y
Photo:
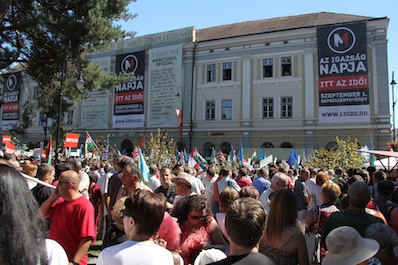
x=72 y=140
x=6 y=139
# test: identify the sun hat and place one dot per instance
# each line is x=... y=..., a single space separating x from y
x=208 y=256
x=346 y=246
x=188 y=178
x=383 y=234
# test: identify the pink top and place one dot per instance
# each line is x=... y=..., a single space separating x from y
x=191 y=242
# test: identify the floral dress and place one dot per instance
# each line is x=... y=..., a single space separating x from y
x=191 y=242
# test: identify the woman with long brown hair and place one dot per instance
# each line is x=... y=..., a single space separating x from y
x=282 y=240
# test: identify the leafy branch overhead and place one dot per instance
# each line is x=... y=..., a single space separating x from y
x=46 y=35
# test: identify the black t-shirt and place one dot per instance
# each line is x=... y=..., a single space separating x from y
x=168 y=194
x=41 y=193
x=247 y=259
x=114 y=185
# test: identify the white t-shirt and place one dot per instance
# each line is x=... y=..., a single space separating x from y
x=56 y=255
x=135 y=253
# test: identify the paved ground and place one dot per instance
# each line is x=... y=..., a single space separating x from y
x=94 y=252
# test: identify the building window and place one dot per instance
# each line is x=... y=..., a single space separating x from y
x=267 y=145
x=268 y=108
x=69 y=117
x=227 y=71
x=211 y=73
x=268 y=65
x=286 y=145
x=36 y=92
x=225 y=148
x=287 y=107
x=210 y=110
x=286 y=66
x=226 y=109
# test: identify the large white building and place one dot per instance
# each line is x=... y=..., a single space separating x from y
x=285 y=82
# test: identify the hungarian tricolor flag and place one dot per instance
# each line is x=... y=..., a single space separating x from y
x=89 y=144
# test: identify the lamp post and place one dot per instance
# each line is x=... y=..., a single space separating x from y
x=393 y=83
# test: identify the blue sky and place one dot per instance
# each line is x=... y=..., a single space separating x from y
x=154 y=16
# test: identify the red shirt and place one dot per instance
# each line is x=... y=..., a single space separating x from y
x=70 y=221
x=216 y=192
x=243 y=182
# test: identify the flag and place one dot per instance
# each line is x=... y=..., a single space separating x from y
x=304 y=156
x=213 y=155
x=293 y=157
x=89 y=144
x=135 y=154
x=179 y=115
x=199 y=158
x=254 y=157
x=10 y=148
x=371 y=158
x=143 y=166
x=240 y=152
x=107 y=144
x=48 y=151
x=181 y=158
x=222 y=156
x=262 y=155
x=191 y=160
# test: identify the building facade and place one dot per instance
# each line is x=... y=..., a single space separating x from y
x=286 y=82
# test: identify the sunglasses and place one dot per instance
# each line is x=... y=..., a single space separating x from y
x=194 y=217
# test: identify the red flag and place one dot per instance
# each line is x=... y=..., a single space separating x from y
x=48 y=151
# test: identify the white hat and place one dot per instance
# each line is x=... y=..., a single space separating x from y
x=208 y=256
x=346 y=246
x=186 y=177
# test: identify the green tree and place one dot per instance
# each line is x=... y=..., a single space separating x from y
x=161 y=150
x=50 y=40
x=343 y=154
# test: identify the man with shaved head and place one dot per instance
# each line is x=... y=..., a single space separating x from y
x=71 y=218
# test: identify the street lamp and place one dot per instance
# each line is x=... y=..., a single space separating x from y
x=393 y=83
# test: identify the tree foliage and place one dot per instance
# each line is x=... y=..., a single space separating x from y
x=161 y=150
x=343 y=154
x=51 y=38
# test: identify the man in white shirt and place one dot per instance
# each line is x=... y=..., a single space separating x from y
x=153 y=181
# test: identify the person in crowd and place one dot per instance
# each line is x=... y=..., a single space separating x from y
x=199 y=230
x=197 y=184
x=316 y=190
x=167 y=186
x=249 y=191
x=378 y=176
x=208 y=183
x=183 y=184
x=227 y=181
x=23 y=242
x=115 y=232
x=347 y=246
x=30 y=169
x=131 y=179
x=207 y=256
x=382 y=202
x=243 y=178
x=141 y=220
x=71 y=219
x=301 y=190
x=317 y=217
x=355 y=216
x=388 y=241
x=283 y=242
x=84 y=184
x=46 y=174
x=261 y=183
x=278 y=182
x=153 y=179
x=95 y=194
x=245 y=222
x=215 y=200
x=227 y=197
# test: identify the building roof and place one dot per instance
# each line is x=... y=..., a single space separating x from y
x=275 y=24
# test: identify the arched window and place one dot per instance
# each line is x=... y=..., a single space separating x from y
x=225 y=147
x=286 y=145
x=127 y=147
x=267 y=145
x=330 y=145
x=207 y=149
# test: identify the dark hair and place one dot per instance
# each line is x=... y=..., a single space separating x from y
x=385 y=188
x=227 y=196
x=245 y=221
x=211 y=171
x=147 y=210
x=75 y=164
x=249 y=191
x=380 y=175
x=44 y=169
x=358 y=194
x=23 y=237
x=190 y=203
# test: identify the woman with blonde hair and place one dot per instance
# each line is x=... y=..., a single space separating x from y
x=315 y=191
x=282 y=240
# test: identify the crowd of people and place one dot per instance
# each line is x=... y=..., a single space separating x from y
x=218 y=214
